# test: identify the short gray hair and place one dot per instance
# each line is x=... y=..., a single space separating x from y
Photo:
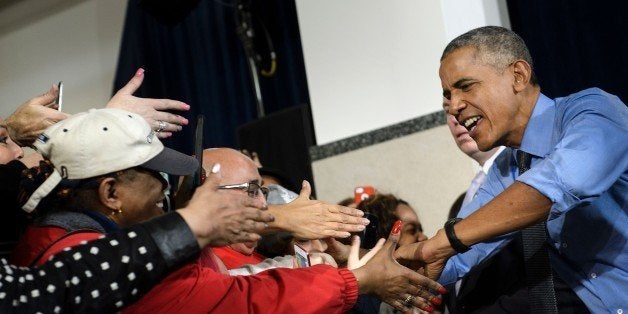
x=496 y=46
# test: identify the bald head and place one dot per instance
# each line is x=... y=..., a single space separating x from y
x=235 y=167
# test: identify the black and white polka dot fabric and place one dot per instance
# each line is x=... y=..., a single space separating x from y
x=101 y=276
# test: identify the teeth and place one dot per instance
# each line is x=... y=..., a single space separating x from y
x=470 y=121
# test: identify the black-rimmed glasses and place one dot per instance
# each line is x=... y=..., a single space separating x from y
x=252 y=188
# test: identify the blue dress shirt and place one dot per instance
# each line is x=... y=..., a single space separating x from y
x=579 y=145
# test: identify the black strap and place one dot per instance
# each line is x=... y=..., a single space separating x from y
x=536 y=256
x=44 y=250
x=455 y=243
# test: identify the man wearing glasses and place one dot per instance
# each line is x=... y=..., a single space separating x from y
x=202 y=287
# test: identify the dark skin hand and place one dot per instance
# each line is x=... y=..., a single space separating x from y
x=393 y=283
x=219 y=218
x=519 y=206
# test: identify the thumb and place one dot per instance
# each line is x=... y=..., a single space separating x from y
x=355 y=246
x=46 y=98
x=393 y=238
x=134 y=83
x=306 y=190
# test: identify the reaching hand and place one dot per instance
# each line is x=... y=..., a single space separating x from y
x=219 y=218
x=31 y=118
x=395 y=284
x=338 y=250
x=152 y=110
x=312 y=219
x=354 y=261
x=420 y=254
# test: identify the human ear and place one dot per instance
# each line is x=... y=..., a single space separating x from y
x=108 y=195
x=522 y=72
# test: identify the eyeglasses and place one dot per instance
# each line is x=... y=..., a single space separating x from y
x=251 y=188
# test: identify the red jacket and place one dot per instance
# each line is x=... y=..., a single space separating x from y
x=196 y=289
x=199 y=287
x=38 y=243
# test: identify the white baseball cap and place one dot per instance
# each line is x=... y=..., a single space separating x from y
x=102 y=141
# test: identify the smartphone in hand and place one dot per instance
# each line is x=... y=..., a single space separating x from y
x=199 y=175
x=59 y=100
x=369 y=236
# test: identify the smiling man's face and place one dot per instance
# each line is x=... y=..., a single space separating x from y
x=482 y=98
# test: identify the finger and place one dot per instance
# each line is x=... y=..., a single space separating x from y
x=306 y=190
x=347 y=221
x=163 y=135
x=168 y=104
x=46 y=99
x=171 y=121
x=243 y=237
x=428 y=285
x=378 y=246
x=421 y=298
x=256 y=215
x=400 y=306
x=52 y=116
x=259 y=227
x=349 y=211
x=354 y=250
x=252 y=203
x=393 y=238
x=336 y=234
x=133 y=84
x=408 y=252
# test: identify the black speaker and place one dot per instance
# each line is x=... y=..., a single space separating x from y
x=282 y=141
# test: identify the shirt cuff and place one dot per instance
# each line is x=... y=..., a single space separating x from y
x=174 y=239
x=351 y=290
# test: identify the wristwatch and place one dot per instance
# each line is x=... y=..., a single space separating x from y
x=451 y=236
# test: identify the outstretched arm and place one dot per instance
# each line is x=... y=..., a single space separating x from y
x=154 y=111
x=395 y=284
x=519 y=206
x=33 y=117
x=312 y=219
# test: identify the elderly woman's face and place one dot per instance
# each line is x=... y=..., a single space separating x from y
x=8 y=149
x=141 y=193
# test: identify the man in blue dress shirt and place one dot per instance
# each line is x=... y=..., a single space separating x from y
x=577 y=183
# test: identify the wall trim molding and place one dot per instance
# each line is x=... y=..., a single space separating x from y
x=384 y=134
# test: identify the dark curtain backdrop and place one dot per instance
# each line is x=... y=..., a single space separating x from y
x=575 y=44
x=191 y=52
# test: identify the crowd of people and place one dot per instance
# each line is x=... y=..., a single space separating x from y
x=88 y=230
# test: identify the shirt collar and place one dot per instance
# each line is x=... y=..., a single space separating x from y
x=539 y=131
x=489 y=162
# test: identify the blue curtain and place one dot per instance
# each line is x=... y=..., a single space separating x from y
x=575 y=44
x=191 y=52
